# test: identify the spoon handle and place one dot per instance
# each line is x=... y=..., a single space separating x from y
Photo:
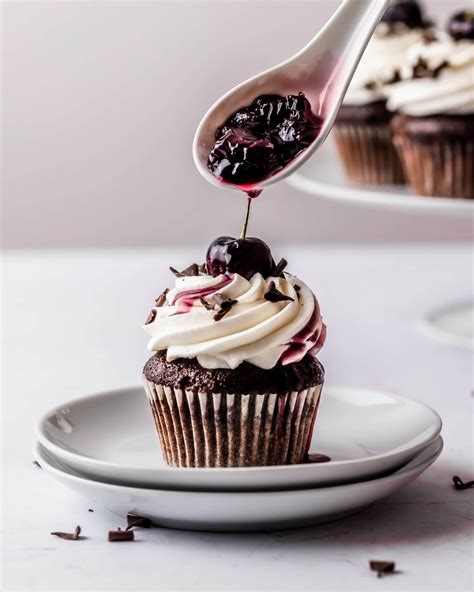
x=332 y=56
x=351 y=26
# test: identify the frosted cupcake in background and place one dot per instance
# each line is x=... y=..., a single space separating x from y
x=234 y=380
x=434 y=131
x=362 y=131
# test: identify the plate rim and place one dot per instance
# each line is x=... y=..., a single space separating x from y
x=116 y=486
x=379 y=199
x=430 y=328
x=64 y=453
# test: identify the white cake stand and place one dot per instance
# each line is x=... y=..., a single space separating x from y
x=324 y=177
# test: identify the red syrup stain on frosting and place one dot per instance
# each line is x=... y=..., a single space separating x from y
x=319 y=342
x=185 y=300
x=310 y=339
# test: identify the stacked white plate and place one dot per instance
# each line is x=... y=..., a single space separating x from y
x=105 y=447
x=324 y=177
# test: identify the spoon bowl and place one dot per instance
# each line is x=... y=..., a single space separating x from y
x=322 y=71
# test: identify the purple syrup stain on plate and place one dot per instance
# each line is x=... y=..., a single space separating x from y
x=314 y=457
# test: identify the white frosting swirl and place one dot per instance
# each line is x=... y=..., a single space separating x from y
x=254 y=330
x=383 y=59
x=451 y=91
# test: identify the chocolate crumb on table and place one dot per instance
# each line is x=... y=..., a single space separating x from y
x=139 y=521
x=69 y=536
x=382 y=567
x=459 y=484
x=120 y=535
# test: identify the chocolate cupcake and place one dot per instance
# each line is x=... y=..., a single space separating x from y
x=234 y=381
x=434 y=131
x=362 y=130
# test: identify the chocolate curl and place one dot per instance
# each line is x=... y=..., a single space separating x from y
x=139 y=521
x=69 y=536
x=459 y=484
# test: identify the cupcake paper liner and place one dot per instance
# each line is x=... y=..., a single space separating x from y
x=368 y=154
x=198 y=429
x=439 y=168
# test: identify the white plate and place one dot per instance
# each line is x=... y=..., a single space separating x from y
x=324 y=176
x=452 y=324
x=111 y=436
x=244 y=511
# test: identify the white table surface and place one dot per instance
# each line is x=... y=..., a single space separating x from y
x=72 y=325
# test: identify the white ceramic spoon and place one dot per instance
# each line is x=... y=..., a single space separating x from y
x=322 y=71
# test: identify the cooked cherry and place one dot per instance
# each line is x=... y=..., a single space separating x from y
x=245 y=256
x=243 y=156
x=461 y=25
x=258 y=140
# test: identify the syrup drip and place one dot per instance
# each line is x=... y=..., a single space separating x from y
x=314 y=457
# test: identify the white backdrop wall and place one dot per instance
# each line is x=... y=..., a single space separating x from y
x=100 y=100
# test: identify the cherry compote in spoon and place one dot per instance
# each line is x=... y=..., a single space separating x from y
x=262 y=130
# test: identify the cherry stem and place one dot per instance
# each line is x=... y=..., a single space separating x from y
x=246 y=221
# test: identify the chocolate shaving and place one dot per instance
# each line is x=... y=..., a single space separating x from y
x=161 y=300
x=218 y=299
x=224 y=304
x=437 y=71
x=429 y=36
x=69 y=536
x=297 y=288
x=206 y=304
x=280 y=267
x=220 y=314
x=395 y=78
x=90 y=510
x=459 y=484
x=382 y=567
x=116 y=536
x=191 y=270
x=395 y=28
x=372 y=85
x=35 y=462
x=422 y=70
x=137 y=521
x=274 y=295
x=151 y=317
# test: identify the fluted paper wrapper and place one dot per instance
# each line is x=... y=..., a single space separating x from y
x=439 y=168
x=198 y=429
x=368 y=154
